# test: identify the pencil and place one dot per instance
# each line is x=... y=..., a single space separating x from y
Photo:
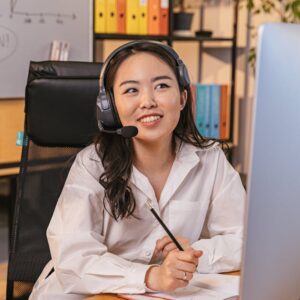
x=164 y=226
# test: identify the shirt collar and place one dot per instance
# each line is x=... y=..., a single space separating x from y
x=186 y=159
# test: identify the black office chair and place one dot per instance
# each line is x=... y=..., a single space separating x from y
x=60 y=119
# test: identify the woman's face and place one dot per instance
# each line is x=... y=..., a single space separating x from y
x=147 y=96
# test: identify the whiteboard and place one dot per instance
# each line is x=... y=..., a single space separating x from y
x=27 y=28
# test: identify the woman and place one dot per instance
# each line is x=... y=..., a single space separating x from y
x=102 y=236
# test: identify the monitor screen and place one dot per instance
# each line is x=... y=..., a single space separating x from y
x=271 y=256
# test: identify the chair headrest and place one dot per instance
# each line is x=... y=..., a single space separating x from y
x=60 y=103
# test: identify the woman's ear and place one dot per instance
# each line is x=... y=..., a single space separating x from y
x=183 y=99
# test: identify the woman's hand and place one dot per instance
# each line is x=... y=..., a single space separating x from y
x=176 y=271
x=166 y=245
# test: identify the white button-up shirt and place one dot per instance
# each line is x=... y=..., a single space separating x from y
x=203 y=200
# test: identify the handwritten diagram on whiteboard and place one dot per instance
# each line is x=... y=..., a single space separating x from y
x=20 y=8
x=27 y=28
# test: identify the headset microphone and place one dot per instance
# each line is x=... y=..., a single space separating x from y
x=126 y=131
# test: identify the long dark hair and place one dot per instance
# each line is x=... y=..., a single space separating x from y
x=116 y=152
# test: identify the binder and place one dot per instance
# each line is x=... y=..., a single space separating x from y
x=215 y=95
x=143 y=15
x=224 y=113
x=154 y=17
x=121 y=16
x=111 y=16
x=132 y=13
x=202 y=109
x=100 y=20
x=164 y=17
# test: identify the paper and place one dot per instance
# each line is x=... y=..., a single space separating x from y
x=59 y=50
x=201 y=287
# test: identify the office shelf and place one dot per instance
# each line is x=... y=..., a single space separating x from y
x=108 y=36
x=100 y=36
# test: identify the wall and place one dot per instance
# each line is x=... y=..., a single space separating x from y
x=242 y=152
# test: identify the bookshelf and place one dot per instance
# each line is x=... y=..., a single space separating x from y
x=203 y=41
x=111 y=36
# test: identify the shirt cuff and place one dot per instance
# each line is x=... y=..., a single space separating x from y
x=136 y=277
x=217 y=257
x=206 y=260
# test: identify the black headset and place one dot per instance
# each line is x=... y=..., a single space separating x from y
x=107 y=115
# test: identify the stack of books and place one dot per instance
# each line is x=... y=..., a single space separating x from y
x=142 y=17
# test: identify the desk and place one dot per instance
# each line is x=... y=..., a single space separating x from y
x=9 y=172
x=11 y=121
x=115 y=297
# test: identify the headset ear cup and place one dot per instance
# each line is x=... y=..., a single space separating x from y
x=98 y=113
x=105 y=112
x=114 y=111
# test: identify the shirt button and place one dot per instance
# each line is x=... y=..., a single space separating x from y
x=148 y=253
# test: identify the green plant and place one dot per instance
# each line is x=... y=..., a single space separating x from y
x=287 y=11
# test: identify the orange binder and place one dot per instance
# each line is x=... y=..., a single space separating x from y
x=224 y=113
x=132 y=16
x=121 y=16
x=154 y=17
x=164 y=17
x=100 y=12
x=111 y=16
x=143 y=15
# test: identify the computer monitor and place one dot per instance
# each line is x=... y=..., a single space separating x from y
x=271 y=254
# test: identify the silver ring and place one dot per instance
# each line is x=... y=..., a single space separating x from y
x=184 y=276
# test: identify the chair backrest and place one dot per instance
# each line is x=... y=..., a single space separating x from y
x=60 y=119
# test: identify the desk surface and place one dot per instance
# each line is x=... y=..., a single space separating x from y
x=11 y=121
x=115 y=297
x=9 y=171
